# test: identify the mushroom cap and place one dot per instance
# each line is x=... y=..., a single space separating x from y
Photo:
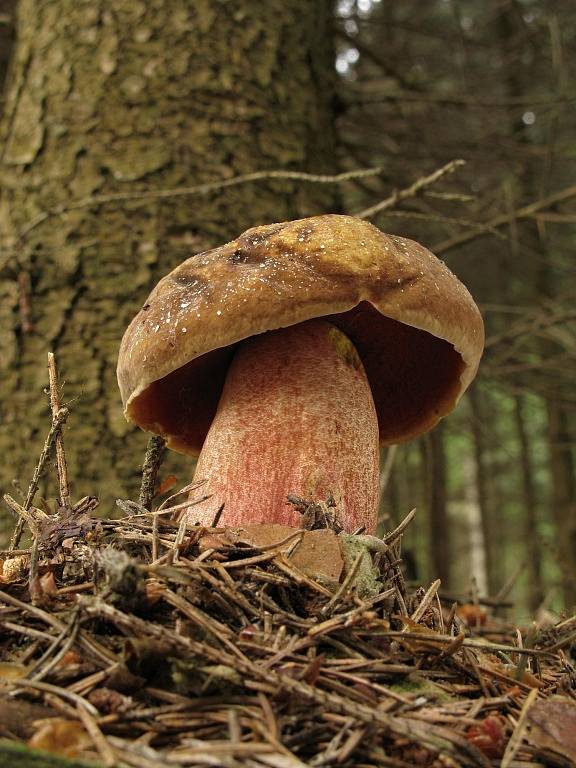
x=415 y=326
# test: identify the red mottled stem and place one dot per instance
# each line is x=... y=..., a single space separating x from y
x=296 y=416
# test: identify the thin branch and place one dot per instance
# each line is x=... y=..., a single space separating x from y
x=526 y=212
x=59 y=439
x=519 y=731
x=198 y=189
x=426 y=600
x=58 y=420
x=459 y=101
x=100 y=742
x=152 y=463
x=439 y=218
x=403 y=194
x=56 y=690
x=391 y=537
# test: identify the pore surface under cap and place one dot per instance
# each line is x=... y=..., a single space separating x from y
x=415 y=326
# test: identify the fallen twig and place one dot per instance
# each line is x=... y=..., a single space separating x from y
x=414 y=189
x=59 y=439
x=58 y=420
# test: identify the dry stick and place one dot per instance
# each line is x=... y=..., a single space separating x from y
x=426 y=600
x=187 y=488
x=434 y=738
x=479 y=645
x=45 y=664
x=411 y=191
x=63 y=693
x=28 y=631
x=519 y=731
x=525 y=212
x=57 y=421
x=391 y=537
x=33 y=581
x=532 y=323
x=178 y=540
x=439 y=218
x=31 y=516
x=345 y=586
x=180 y=507
x=13 y=552
x=385 y=475
x=88 y=643
x=458 y=99
x=199 y=189
x=152 y=461
x=568 y=640
x=34 y=587
x=104 y=749
x=59 y=440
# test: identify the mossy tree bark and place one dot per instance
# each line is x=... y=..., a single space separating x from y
x=112 y=97
x=7 y=9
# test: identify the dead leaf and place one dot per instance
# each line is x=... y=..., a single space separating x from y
x=489 y=736
x=312 y=671
x=61 y=737
x=472 y=615
x=527 y=678
x=154 y=592
x=415 y=626
x=10 y=671
x=553 y=726
x=70 y=659
x=48 y=584
x=70 y=523
x=317 y=554
x=248 y=632
x=13 y=569
x=108 y=701
x=166 y=485
x=428 y=643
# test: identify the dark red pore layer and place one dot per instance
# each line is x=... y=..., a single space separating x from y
x=413 y=376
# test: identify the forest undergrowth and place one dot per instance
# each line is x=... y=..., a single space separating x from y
x=135 y=638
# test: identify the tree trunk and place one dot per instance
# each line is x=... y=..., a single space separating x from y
x=470 y=511
x=440 y=534
x=563 y=496
x=530 y=505
x=547 y=284
x=491 y=528
x=109 y=98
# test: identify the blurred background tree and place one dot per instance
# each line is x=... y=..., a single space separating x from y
x=491 y=83
x=203 y=92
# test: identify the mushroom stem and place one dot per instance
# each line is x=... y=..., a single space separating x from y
x=296 y=416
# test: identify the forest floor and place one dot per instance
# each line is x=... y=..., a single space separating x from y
x=146 y=641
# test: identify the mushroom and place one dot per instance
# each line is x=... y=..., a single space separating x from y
x=286 y=357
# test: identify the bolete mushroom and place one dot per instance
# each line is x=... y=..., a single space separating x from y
x=287 y=356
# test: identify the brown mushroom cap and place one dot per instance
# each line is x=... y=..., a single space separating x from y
x=415 y=326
